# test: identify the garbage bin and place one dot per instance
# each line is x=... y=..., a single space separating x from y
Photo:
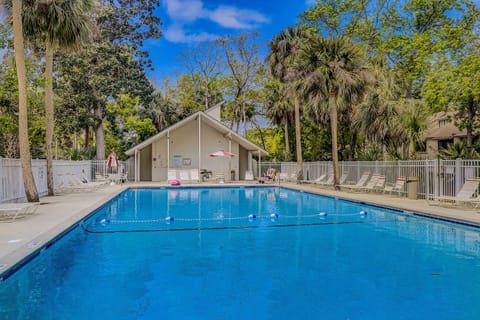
x=412 y=188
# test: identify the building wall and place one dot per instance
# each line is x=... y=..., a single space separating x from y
x=145 y=164
x=432 y=148
x=184 y=151
x=243 y=162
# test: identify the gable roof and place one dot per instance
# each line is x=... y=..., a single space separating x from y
x=212 y=122
x=447 y=131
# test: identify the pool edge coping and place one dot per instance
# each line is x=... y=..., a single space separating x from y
x=18 y=258
x=21 y=256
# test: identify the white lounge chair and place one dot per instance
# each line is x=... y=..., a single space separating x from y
x=12 y=211
x=194 y=175
x=319 y=179
x=172 y=175
x=329 y=181
x=360 y=183
x=397 y=187
x=220 y=177
x=283 y=176
x=248 y=176
x=370 y=185
x=467 y=193
x=184 y=175
x=343 y=178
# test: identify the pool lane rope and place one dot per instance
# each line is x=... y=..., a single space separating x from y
x=250 y=217
x=320 y=223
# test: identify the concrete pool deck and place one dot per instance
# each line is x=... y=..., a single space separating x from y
x=21 y=238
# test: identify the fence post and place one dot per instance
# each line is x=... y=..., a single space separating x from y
x=458 y=168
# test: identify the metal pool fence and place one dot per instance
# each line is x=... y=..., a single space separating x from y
x=64 y=172
x=436 y=178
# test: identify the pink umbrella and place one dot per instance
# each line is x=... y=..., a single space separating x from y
x=112 y=160
x=221 y=153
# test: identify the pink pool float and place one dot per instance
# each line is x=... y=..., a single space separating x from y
x=175 y=183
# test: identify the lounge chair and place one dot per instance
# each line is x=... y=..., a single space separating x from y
x=381 y=181
x=283 y=176
x=248 y=176
x=184 y=175
x=343 y=178
x=466 y=194
x=329 y=181
x=194 y=176
x=293 y=176
x=360 y=183
x=172 y=175
x=377 y=182
x=12 y=211
x=397 y=187
x=319 y=179
x=220 y=177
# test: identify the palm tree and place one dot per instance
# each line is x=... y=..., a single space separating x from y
x=25 y=157
x=375 y=116
x=283 y=52
x=413 y=121
x=64 y=24
x=334 y=71
x=279 y=110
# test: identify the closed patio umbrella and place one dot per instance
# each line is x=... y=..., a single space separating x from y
x=112 y=160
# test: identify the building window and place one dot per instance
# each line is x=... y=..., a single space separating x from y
x=442 y=123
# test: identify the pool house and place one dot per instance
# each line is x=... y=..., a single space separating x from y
x=185 y=147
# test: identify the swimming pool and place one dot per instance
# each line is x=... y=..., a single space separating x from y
x=249 y=253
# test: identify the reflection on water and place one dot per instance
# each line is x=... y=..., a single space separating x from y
x=382 y=265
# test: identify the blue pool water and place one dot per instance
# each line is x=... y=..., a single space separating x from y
x=213 y=262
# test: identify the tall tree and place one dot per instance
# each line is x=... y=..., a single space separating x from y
x=454 y=85
x=114 y=63
x=64 y=25
x=376 y=115
x=335 y=72
x=206 y=61
x=413 y=121
x=26 y=161
x=278 y=109
x=243 y=65
x=281 y=58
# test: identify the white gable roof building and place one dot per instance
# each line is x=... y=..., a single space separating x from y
x=184 y=149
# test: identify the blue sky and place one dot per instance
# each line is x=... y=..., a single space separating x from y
x=189 y=22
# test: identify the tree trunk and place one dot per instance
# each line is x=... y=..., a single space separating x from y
x=49 y=114
x=287 y=142
x=87 y=139
x=207 y=102
x=332 y=105
x=298 y=140
x=353 y=141
x=471 y=119
x=411 y=150
x=99 y=134
x=25 y=157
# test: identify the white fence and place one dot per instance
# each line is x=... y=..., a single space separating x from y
x=11 y=178
x=436 y=178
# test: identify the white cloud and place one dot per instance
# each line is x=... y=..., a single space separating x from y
x=176 y=34
x=186 y=12
x=234 y=18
